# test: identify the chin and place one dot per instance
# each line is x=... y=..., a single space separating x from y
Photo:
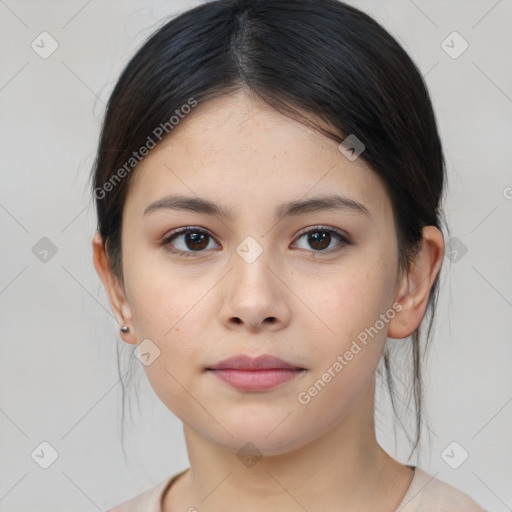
x=260 y=440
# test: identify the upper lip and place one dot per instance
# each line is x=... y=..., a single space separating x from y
x=244 y=362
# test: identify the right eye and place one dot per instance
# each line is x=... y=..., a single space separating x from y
x=192 y=240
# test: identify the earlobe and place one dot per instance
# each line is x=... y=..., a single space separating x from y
x=416 y=284
x=114 y=289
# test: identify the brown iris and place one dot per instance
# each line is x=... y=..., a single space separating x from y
x=319 y=238
x=196 y=240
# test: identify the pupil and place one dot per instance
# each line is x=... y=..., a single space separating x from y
x=320 y=238
x=196 y=239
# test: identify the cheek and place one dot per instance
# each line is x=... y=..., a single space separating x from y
x=163 y=300
x=350 y=304
x=167 y=310
x=350 y=300
x=345 y=357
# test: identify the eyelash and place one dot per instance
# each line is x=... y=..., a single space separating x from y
x=166 y=242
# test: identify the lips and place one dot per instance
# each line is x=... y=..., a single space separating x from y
x=263 y=362
x=255 y=374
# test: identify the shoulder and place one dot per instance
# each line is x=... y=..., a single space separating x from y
x=429 y=494
x=148 y=501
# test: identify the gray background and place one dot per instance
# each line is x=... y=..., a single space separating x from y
x=58 y=373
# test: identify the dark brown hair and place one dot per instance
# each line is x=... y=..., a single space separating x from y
x=318 y=61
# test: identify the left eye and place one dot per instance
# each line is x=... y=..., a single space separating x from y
x=321 y=237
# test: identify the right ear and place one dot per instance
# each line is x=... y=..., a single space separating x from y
x=114 y=289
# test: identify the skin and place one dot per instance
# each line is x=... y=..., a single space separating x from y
x=239 y=153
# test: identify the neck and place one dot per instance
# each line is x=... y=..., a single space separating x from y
x=343 y=469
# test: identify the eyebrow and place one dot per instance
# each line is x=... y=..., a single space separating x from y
x=291 y=208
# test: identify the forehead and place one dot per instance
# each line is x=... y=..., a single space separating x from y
x=237 y=149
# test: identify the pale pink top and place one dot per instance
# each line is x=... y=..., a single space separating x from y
x=425 y=494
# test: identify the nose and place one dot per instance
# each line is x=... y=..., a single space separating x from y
x=255 y=296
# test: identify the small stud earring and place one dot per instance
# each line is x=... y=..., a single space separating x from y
x=125 y=329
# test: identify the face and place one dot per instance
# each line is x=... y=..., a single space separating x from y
x=308 y=286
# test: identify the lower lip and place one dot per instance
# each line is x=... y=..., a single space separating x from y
x=256 y=380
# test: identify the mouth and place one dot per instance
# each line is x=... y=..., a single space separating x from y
x=246 y=363
x=255 y=374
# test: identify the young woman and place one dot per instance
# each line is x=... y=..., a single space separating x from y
x=268 y=187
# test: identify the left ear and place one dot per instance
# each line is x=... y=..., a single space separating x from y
x=414 y=286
